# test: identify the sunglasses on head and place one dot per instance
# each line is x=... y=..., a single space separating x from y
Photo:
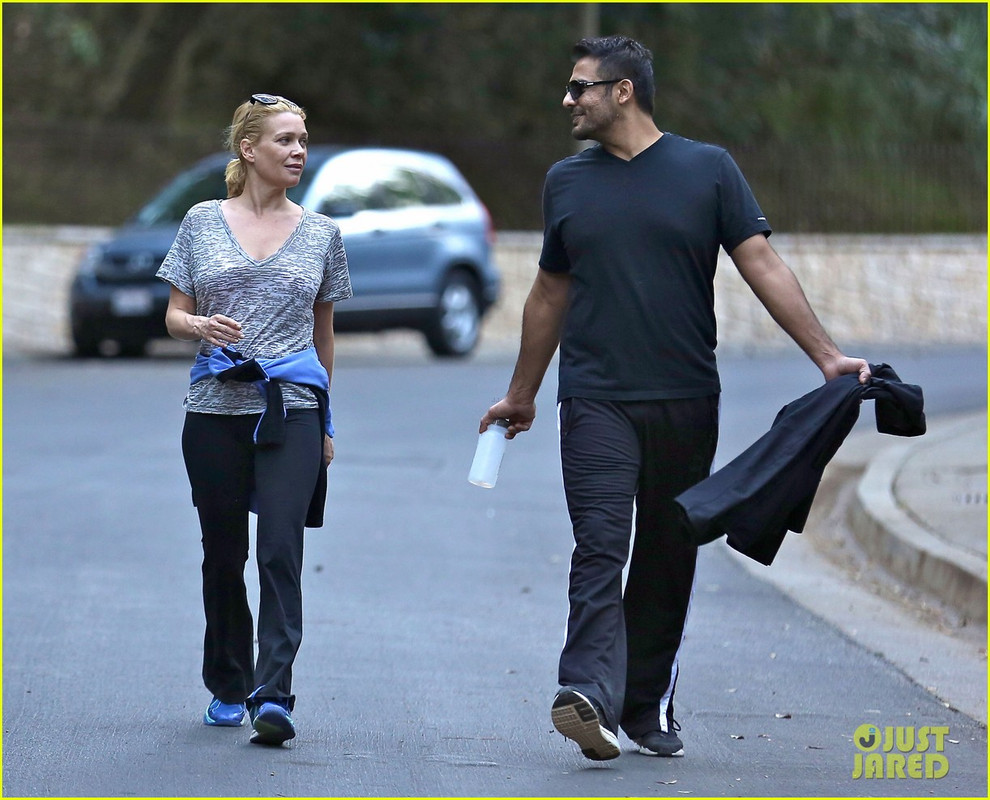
x=577 y=88
x=265 y=99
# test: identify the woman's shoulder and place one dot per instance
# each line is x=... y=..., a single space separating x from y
x=320 y=221
x=320 y=226
x=205 y=207
x=202 y=213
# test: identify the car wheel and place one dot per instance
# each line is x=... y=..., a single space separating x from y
x=85 y=346
x=132 y=348
x=456 y=323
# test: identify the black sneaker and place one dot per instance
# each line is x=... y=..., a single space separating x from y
x=661 y=743
x=272 y=724
x=576 y=717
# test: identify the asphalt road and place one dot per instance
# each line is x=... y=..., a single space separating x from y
x=434 y=609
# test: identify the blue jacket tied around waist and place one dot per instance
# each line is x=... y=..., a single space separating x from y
x=302 y=368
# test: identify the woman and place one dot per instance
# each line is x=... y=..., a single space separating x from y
x=254 y=279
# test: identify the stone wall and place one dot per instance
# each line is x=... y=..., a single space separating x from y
x=38 y=265
x=866 y=289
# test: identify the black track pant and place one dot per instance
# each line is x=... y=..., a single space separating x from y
x=225 y=468
x=622 y=651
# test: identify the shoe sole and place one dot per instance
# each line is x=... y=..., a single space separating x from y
x=575 y=717
x=273 y=730
x=647 y=752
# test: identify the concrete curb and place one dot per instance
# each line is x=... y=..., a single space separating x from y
x=828 y=572
x=911 y=552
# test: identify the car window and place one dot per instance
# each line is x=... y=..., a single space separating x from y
x=396 y=189
x=356 y=183
x=171 y=205
x=363 y=184
x=435 y=192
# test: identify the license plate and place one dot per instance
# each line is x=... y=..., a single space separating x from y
x=131 y=302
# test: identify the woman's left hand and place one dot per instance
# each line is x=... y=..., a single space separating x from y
x=327 y=450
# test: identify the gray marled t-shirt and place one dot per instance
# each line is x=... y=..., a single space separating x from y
x=272 y=299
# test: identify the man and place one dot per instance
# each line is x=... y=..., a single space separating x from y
x=632 y=229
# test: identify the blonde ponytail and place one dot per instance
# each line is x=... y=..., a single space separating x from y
x=236 y=176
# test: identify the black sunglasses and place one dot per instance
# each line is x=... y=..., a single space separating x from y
x=577 y=88
x=265 y=99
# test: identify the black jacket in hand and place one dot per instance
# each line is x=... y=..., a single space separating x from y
x=768 y=489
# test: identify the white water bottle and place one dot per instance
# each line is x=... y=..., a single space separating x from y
x=488 y=455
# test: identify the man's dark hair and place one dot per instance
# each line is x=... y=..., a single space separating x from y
x=620 y=57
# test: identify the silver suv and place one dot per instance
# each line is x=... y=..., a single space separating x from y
x=418 y=240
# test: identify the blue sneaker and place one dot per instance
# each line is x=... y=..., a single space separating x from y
x=229 y=715
x=272 y=724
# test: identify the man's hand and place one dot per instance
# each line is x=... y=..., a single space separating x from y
x=843 y=365
x=520 y=416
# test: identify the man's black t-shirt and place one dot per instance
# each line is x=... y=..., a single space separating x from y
x=640 y=241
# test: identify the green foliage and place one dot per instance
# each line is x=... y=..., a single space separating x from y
x=833 y=72
x=482 y=82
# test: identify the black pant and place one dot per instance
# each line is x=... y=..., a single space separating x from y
x=622 y=651
x=225 y=470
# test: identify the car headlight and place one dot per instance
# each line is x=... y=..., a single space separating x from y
x=90 y=261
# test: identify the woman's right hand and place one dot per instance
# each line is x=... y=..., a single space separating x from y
x=185 y=324
x=218 y=330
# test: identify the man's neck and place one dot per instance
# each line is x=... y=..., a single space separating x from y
x=626 y=141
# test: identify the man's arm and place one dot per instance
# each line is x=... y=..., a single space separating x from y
x=778 y=289
x=543 y=315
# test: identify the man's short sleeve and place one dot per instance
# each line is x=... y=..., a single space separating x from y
x=553 y=257
x=739 y=215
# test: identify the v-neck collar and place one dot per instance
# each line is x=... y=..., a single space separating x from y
x=642 y=154
x=237 y=244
